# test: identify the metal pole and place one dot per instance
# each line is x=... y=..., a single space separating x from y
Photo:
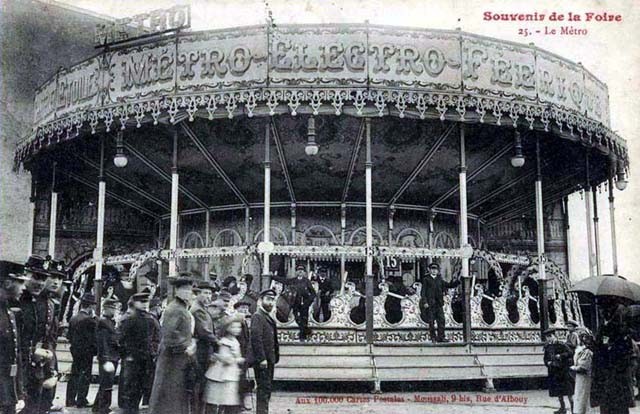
x=343 y=234
x=587 y=205
x=567 y=229
x=293 y=236
x=369 y=235
x=53 y=219
x=173 y=227
x=207 y=231
x=596 y=233
x=32 y=215
x=542 y=277
x=464 y=238
x=267 y=206
x=102 y=189
x=612 y=213
x=247 y=230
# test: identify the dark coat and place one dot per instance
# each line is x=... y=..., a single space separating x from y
x=612 y=365
x=82 y=334
x=433 y=289
x=107 y=341
x=264 y=339
x=302 y=289
x=10 y=385
x=138 y=335
x=169 y=394
x=558 y=357
x=205 y=336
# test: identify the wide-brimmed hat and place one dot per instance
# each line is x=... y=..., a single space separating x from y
x=182 y=280
x=241 y=303
x=203 y=285
x=12 y=271
x=38 y=266
x=140 y=297
x=57 y=269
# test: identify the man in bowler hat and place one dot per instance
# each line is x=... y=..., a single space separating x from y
x=433 y=290
x=11 y=287
x=303 y=296
x=264 y=345
x=82 y=338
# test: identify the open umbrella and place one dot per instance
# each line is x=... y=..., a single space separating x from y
x=608 y=285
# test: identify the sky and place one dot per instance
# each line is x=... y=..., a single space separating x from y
x=608 y=50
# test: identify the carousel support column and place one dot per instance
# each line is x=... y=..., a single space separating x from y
x=173 y=227
x=369 y=237
x=292 y=269
x=542 y=277
x=247 y=226
x=265 y=279
x=567 y=232
x=102 y=189
x=207 y=231
x=53 y=218
x=612 y=213
x=596 y=233
x=464 y=239
x=343 y=235
x=32 y=215
x=587 y=204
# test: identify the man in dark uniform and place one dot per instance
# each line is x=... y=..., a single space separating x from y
x=108 y=355
x=138 y=335
x=433 y=290
x=325 y=290
x=204 y=334
x=54 y=289
x=38 y=334
x=11 y=288
x=303 y=297
x=265 y=349
x=82 y=340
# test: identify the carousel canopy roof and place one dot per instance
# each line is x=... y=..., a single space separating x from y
x=222 y=90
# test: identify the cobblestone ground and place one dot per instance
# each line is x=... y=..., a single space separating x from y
x=509 y=402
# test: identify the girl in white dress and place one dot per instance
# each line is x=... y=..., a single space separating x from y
x=223 y=375
x=582 y=367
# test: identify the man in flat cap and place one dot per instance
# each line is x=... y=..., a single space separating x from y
x=204 y=334
x=433 y=291
x=138 y=335
x=82 y=338
x=38 y=329
x=12 y=284
x=265 y=348
x=303 y=298
x=170 y=394
x=250 y=296
x=108 y=354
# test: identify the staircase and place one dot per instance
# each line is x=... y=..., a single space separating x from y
x=382 y=363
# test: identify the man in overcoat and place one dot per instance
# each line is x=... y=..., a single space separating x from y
x=433 y=290
x=38 y=332
x=11 y=288
x=265 y=348
x=108 y=355
x=82 y=340
x=138 y=335
x=303 y=296
x=205 y=336
x=170 y=393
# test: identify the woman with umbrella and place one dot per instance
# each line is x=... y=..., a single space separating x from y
x=611 y=387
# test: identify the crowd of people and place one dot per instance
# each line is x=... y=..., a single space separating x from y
x=191 y=355
x=598 y=370
x=190 y=352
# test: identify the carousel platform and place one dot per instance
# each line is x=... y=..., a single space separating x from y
x=313 y=362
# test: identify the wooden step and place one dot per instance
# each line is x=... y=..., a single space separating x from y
x=424 y=350
x=285 y=373
x=400 y=361
x=429 y=373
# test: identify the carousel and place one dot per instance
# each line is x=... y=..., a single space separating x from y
x=366 y=151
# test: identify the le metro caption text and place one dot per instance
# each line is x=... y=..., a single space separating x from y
x=554 y=23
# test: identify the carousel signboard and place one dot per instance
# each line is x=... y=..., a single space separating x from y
x=322 y=56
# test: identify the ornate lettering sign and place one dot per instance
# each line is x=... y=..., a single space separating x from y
x=312 y=63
